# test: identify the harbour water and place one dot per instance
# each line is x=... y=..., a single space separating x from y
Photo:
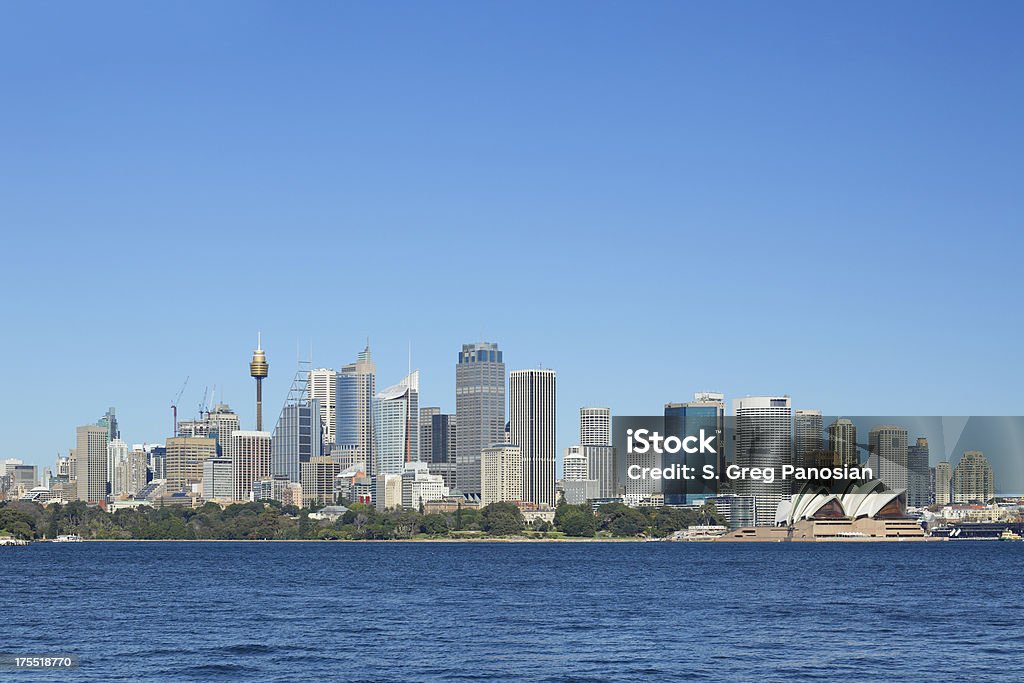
x=159 y=611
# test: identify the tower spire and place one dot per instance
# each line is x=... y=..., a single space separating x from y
x=258 y=369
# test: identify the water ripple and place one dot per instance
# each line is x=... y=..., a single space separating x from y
x=588 y=612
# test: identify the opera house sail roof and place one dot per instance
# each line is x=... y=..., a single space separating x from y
x=858 y=500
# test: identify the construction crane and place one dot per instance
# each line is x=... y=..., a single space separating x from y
x=174 y=406
x=202 y=404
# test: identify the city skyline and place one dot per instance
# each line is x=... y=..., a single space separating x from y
x=535 y=315
x=948 y=432
x=425 y=153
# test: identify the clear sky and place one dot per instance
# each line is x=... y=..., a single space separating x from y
x=818 y=199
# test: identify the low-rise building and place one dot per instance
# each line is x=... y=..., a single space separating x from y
x=331 y=513
x=974 y=513
x=452 y=503
x=420 y=486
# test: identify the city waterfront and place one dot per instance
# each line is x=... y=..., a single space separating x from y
x=542 y=612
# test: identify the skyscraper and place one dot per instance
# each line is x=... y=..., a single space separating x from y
x=356 y=386
x=595 y=426
x=63 y=468
x=437 y=444
x=250 y=460
x=156 y=460
x=259 y=369
x=808 y=429
x=764 y=439
x=137 y=471
x=532 y=420
x=117 y=467
x=706 y=412
x=842 y=443
x=973 y=480
x=184 y=460
x=636 y=490
x=387 y=493
x=323 y=386
x=479 y=409
x=218 y=479
x=943 y=483
x=396 y=425
x=298 y=434
x=194 y=428
x=501 y=473
x=427 y=432
x=887 y=447
x=91 y=462
x=317 y=477
x=109 y=420
x=601 y=468
x=222 y=422
x=918 y=474
x=23 y=478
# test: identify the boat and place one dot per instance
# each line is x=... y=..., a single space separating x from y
x=12 y=541
x=1009 y=535
x=68 y=538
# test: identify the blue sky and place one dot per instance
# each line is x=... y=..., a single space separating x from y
x=656 y=198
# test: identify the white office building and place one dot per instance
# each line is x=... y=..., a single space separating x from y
x=117 y=467
x=532 y=428
x=223 y=422
x=575 y=465
x=397 y=425
x=250 y=460
x=595 y=426
x=218 y=479
x=764 y=438
x=420 y=486
x=323 y=386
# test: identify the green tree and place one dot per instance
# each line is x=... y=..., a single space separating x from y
x=622 y=520
x=434 y=524
x=16 y=523
x=579 y=523
x=564 y=510
x=501 y=519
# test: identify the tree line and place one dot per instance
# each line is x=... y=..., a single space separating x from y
x=269 y=520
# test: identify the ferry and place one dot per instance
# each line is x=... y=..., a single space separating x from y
x=1009 y=535
x=68 y=538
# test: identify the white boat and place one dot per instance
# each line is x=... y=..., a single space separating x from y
x=11 y=540
x=68 y=538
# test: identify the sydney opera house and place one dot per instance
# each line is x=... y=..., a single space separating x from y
x=858 y=511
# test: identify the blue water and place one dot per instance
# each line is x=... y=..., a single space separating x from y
x=542 y=612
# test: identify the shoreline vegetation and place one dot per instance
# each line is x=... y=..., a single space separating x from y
x=272 y=521
x=426 y=539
